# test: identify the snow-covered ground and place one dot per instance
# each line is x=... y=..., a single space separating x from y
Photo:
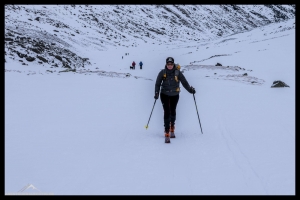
x=84 y=133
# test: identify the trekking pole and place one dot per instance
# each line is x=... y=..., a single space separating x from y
x=197 y=112
x=150 y=115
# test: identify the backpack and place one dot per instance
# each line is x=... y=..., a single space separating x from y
x=177 y=69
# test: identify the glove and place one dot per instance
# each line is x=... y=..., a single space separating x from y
x=192 y=90
x=156 y=95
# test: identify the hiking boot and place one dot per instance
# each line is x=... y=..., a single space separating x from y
x=172 y=130
x=167 y=137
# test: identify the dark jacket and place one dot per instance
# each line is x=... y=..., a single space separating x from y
x=169 y=85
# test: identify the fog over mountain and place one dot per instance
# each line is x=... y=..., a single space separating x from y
x=39 y=33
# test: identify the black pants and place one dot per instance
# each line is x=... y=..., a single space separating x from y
x=169 y=104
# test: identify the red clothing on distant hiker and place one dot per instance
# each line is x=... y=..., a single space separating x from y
x=133 y=64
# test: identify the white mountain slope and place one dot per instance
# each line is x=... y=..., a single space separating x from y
x=64 y=131
x=51 y=35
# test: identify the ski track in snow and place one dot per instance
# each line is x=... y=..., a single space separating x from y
x=187 y=170
x=240 y=158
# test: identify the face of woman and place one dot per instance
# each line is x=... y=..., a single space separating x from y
x=170 y=65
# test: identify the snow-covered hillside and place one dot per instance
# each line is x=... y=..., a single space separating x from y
x=53 y=35
x=80 y=130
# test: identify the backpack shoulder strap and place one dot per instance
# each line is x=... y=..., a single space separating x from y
x=176 y=75
x=164 y=74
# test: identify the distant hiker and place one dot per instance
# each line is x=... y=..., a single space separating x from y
x=167 y=83
x=133 y=65
x=122 y=57
x=141 y=65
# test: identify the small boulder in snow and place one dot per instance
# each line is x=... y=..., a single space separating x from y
x=279 y=84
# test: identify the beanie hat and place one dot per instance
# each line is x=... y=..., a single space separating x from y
x=170 y=59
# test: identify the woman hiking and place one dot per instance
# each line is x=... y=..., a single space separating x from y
x=167 y=83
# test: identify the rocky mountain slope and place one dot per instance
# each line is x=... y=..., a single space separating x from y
x=52 y=34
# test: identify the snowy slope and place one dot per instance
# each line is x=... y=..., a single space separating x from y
x=83 y=132
x=53 y=35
